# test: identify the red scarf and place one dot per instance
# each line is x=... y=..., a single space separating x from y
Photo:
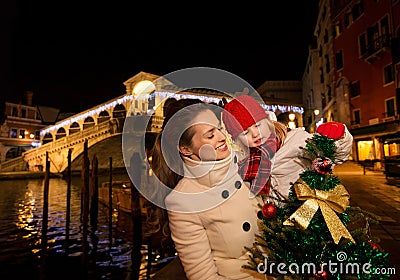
x=256 y=168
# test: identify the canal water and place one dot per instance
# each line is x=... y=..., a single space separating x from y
x=21 y=217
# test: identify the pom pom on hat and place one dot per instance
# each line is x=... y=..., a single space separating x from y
x=241 y=113
x=333 y=130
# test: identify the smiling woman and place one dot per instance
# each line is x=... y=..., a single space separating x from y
x=208 y=142
x=211 y=215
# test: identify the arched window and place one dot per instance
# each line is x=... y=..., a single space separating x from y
x=61 y=133
x=103 y=117
x=74 y=128
x=12 y=153
x=167 y=103
x=88 y=122
x=48 y=137
x=119 y=111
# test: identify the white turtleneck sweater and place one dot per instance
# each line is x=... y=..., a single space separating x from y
x=212 y=218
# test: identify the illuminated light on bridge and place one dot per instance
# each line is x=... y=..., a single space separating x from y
x=284 y=108
x=86 y=114
x=165 y=94
x=208 y=99
x=161 y=94
x=120 y=100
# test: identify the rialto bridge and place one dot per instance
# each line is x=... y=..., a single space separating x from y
x=146 y=95
x=105 y=121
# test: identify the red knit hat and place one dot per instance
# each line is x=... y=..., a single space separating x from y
x=241 y=113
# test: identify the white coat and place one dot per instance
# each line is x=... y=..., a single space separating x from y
x=289 y=160
x=212 y=218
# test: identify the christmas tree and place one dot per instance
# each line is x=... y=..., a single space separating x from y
x=315 y=233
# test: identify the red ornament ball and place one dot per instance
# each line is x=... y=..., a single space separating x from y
x=322 y=165
x=269 y=210
x=375 y=246
x=323 y=275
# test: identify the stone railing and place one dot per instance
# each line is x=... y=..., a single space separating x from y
x=15 y=164
x=93 y=134
x=70 y=140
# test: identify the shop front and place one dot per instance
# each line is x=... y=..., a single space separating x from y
x=375 y=144
x=391 y=147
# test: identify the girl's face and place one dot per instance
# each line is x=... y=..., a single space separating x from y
x=208 y=141
x=256 y=134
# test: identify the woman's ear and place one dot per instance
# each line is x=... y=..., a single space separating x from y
x=186 y=151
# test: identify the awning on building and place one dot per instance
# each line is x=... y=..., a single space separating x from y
x=390 y=138
x=382 y=131
x=369 y=130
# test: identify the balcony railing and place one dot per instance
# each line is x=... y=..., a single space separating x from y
x=376 y=48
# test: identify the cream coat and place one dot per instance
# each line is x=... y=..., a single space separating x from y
x=212 y=218
x=209 y=228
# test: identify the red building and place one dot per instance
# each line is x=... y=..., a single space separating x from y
x=20 y=125
x=366 y=48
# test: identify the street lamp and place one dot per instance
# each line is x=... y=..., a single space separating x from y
x=312 y=125
x=291 y=123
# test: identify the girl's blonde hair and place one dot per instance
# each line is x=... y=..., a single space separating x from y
x=278 y=128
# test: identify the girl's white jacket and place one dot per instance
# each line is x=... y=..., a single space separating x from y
x=289 y=160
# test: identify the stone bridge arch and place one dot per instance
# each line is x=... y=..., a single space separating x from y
x=58 y=150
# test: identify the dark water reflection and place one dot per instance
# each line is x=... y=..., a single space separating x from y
x=21 y=209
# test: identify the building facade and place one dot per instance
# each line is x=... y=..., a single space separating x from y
x=310 y=86
x=352 y=74
x=322 y=99
x=283 y=98
x=20 y=126
x=366 y=47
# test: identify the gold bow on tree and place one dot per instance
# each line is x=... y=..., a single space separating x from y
x=336 y=199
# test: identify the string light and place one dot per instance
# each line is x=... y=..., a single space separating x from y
x=85 y=114
x=154 y=94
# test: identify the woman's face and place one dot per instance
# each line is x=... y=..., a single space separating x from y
x=256 y=134
x=208 y=142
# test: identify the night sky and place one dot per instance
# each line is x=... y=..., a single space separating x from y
x=77 y=55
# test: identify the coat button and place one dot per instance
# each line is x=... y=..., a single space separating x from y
x=238 y=184
x=260 y=215
x=246 y=226
x=225 y=194
x=235 y=159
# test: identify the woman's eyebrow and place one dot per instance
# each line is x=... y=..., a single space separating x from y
x=211 y=130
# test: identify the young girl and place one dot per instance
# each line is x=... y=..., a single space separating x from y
x=211 y=216
x=272 y=157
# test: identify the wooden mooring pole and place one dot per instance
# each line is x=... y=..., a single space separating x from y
x=68 y=211
x=136 y=254
x=85 y=206
x=94 y=204
x=110 y=208
x=45 y=217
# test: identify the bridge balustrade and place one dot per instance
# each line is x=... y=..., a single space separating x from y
x=35 y=157
x=15 y=164
x=69 y=140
